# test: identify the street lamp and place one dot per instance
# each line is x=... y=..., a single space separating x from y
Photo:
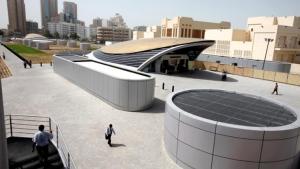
x=268 y=40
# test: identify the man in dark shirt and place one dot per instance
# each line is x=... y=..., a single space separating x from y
x=109 y=132
x=275 y=89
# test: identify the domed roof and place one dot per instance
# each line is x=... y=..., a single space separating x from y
x=35 y=36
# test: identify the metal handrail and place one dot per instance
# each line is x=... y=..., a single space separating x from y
x=16 y=126
x=68 y=159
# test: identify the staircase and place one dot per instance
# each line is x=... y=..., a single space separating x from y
x=19 y=132
x=22 y=157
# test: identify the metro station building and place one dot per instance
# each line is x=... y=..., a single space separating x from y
x=160 y=55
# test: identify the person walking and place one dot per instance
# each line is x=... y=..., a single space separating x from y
x=275 y=89
x=3 y=55
x=41 y=140
x=108 y=134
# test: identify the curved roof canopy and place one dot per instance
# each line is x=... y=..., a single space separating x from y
x=140 y=45
x=138 y=54
x=35 y=36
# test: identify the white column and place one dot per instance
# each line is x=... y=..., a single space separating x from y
x=3 y=142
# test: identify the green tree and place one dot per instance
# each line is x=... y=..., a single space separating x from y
x=56 y=35
x=74 y=36
x=47 y=34
x=1 y=32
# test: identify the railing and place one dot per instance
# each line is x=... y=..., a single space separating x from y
x=26 y=126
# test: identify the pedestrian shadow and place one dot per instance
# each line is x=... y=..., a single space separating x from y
x=118 y=145
x=279 y=94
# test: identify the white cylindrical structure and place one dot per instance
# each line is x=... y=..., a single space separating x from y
x=42 y=45
x=3 y=141
x=33 y=44
x=53 y=41
x=27 y=42
x=85 y=46
x=72 y=44
x=216 y=129
x=62 y=42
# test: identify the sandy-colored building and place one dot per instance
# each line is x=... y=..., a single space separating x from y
x=185 y=27
x=113 y=34
x=16 y=16
x=283 y=34
x=151 y=32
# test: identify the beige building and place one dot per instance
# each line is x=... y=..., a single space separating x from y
x=113 y=34
x=185 y=27
x=252 y=43
x=16 y=16
x=151 y=32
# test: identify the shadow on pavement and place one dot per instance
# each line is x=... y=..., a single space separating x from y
x=158 y=106
x=118 y=145
x=205 y=75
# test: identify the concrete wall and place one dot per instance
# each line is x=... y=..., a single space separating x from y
x=137 y=35
x=250 y=63
x=282 y=77
x=128 y=95
x=194 y=142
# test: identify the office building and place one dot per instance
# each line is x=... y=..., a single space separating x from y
x=140 y=28
x=16 y=16
x=97 y=22
x=185 y=27
x=58 y=18
x=31 y=27
x=64 y=29
x=118 y=21
x=113 y=34
x=151 y=32
x=48 y=11
x=266 y=38
x=70 y=11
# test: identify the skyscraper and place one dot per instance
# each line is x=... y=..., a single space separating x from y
x=70 y=11
x=16 y=16
x=48 y=11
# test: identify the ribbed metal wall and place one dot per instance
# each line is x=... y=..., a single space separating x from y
x=128 y=95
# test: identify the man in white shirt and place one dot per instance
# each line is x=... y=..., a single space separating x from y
x=41 y=140
x=109 y=132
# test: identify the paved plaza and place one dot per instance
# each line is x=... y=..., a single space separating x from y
x=83 y=117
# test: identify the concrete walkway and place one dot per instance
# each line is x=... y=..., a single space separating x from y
x=83 y=118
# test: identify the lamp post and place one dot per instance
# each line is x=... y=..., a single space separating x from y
x=268 y=40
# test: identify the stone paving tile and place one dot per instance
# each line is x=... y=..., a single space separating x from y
x=83 y=117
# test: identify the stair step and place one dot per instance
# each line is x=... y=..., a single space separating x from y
x=32 y=165
x=25 y=159
x=57 y=165
x=53 y=158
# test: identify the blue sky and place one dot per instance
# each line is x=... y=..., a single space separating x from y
x=150 y=12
